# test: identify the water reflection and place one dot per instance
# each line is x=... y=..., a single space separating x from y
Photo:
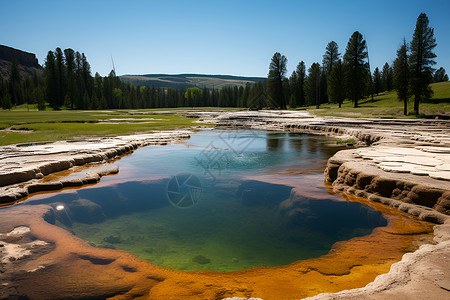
x=238 y=223
x=275 y=141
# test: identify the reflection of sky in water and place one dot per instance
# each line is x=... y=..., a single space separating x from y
x=246 y=216
x=213 y=155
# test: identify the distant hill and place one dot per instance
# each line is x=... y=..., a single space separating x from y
x=182 y=81
x=28 y=63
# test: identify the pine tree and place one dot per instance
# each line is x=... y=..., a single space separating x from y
x=79 y=80
x=50 y=79
x=87 y=101
x=6 y=101
x=60 y=77
x=421 y=61
x=86 y=74
x=323 y=86
x=331 y=56
x=14 y=83
x=440 y=75
x=401 y=76
x=312 y=85
x=336 y=83
x=301 y=77
x=69 y=58
x=277 y=73
x=5 y=97
x=356 y=67
x=377 y=81
x=387 y=77
x=293 y=83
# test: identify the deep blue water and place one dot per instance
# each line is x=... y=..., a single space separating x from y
x=221 y=201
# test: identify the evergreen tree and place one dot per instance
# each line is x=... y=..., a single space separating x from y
x=39 y=96
x=323 y=86
x=79 y=80
x=293 y=83
x=356 y=67
x=5 y=97
x=369 y=76
x=401 y=76
x=377 y=81
x=6 y=101
x=331 y=57
x=69 y=57
x=277 y=73
x=301 y=77
x=387 y=77
x=246 y=95
x=421 y=61
x=86 y=74
x=14 y=83
x=86 y=101
x=336 y=83
x=440 y=75
x=50 y=78
x=98 y=82
x=60 y=77
x=312 y=85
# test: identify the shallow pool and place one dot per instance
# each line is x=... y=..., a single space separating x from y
x=224 y=200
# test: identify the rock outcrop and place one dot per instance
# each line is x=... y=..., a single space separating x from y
x=28 y=63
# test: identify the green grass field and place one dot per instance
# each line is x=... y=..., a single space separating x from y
x=27 y=124
x=37 y=126
x=386 y=105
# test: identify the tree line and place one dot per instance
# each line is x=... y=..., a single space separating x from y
x=68 y=83
x=350 y=77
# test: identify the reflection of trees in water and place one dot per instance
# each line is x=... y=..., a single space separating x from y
x=296 y=142
x=275 y=141
x=312 y=145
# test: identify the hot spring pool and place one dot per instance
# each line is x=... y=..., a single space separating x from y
x=224 y=200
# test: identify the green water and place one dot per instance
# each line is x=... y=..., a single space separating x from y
x=238 y=213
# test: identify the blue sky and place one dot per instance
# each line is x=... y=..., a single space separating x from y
x=215 y=37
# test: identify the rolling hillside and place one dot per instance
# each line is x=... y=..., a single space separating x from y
x=189 y=80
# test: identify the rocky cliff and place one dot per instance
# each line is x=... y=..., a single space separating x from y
x=28 y=63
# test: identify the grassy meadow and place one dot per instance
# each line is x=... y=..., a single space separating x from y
x=19 y=126
x=26 y=124
x=387 y=105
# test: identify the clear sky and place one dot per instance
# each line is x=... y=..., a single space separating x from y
x=215 y=37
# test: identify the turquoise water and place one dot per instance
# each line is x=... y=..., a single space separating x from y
x=222 y=201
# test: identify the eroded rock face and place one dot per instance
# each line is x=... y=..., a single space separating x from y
x=358 y=176
x=27 y=62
